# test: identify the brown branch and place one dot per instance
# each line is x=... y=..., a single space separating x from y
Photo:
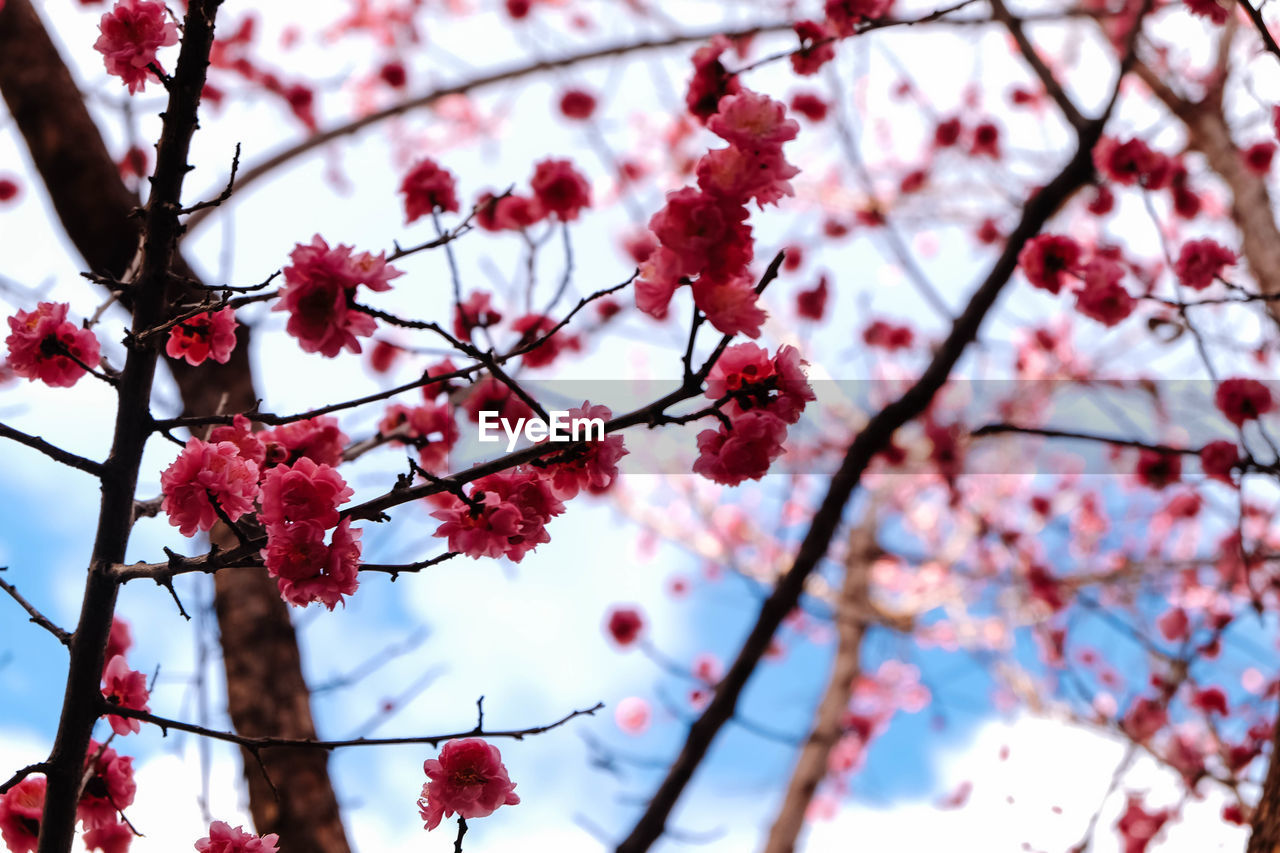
x=52 y=451
x=37 y=617
x=1044 y=432
x=1038 y=65
x=1260 y=24
x=259 y=743
x=852 y=610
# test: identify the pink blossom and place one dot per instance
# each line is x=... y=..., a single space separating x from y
x=732 y=307
x=204 y=473
x=430 y=428
x=845 y=15
x=124 y=688
x=812 y=304
x=1138 y=827
x=750 y=120
x=468 y=779
x=426 y=188
x=816 y=47
x=475 y=312
x=1214 y=10
x=536 y=327
x=44 y=345
x=110 y=788
x=632 y=715
x=711 y=80
x=209 y=335
x=730 y=456
x=222 y=838
x=593 y=465
x=119 y=641
x=560 y=189
x=303 y=492
x=577 y=104
x=240 y=433
x=307 y=569
x=1218 y=459
x=318 y=439
x=131 y=33
x=507 y=517
x=21 y=808
x=113 y=837
x=738 y=176
x=507 y=213
x=755 y=381
x=319 y=294
x=1132 y=162
x=493 y=395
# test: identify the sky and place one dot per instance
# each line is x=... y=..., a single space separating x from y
x=528 y=638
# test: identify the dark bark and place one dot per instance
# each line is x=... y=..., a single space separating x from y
x=96 y=210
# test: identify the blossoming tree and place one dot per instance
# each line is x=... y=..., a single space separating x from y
x=931 y=505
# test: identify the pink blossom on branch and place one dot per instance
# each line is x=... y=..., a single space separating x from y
x=318 y=439
x=319 y=293
x=594 y=465
x=730 y=456
x=223 y=838
x=110 y=789
x=507 y=516
x=21 y=808
x=560 y=189
x=426 y=188
x=131 y=33
x=125 y=688
x=210 y=335
x=44 y=345
x=468 y=779
x=303 y=492
x=308 y=569
x=204 y=473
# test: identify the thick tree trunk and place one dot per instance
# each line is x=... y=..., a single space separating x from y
x=266 y=690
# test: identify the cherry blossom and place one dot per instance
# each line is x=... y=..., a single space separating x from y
x=468 y=779
x=223 y=838
x=303 y=492
x=21 y=808
x=203 y=474
x=426 y=188
x=1242 y=400
x=560 y=189
x=210 y=335
x=131 y=33
x=124 y=688
x=110 y=789
x=308 y=569
x=44 y=345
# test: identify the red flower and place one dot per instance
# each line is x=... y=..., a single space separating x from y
x=577 y=104
x=507 y=213
x=468 y=779
x=730 y=456
x=319 y=292
x=812 y=304
x=1144 y=719
x=625 y=625
x=1211 y=9
x=20 y=810
x=112 y=837
x=303 y=492
x=430 y=428
x=845 y=15
x=1201 y=261
x=1211 y=700
x=1047 y=258
x=535 y=327
x=711 y=80
x=8 y=188
x=209 y=335
x=204 y=473
x=887 y=336
x=1157 y=470
x=1132 y=162
x=1242 y=400
x=428 y=188
x=1218 y=459
x=947 y=133
x=124 y=688
x=318 y=439
x=1102 y=297
x=1139 y=827
x=986 y=141
x=493 y=395
x=560 y=189
x=44 y=345
x=383 y=356
x=307 y=569
x=594 y=465
x=507 y=516
x=131 y=33
x=222 y=838
x=817 y=47
x=753 y=381
x=119 y=641
x=732 y=307
x=110 y=788
x=809 y=105
x=749 y=120
x=1258 y=157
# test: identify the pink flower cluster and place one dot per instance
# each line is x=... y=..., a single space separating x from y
x=44 y=345
x=319 y=293
x=468 y=779
x=760 y=395
x=559 y=190
x=209 y=335
x=1049 y=260
x=21 y=808
x=223 y=838
x=131 y=33
x=506 y=515
x=287 y=475
x=427 y=188
x=703 y=235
